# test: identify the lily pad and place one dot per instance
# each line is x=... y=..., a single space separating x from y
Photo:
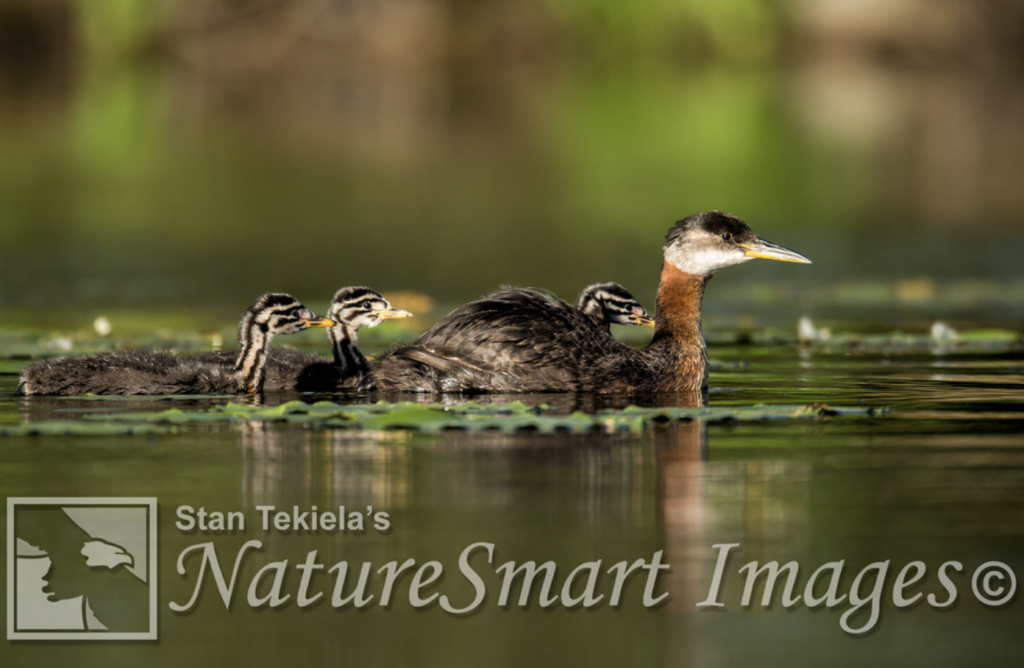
x=12 y=367
x=750 y=413
x=171 y=416
x=990 y=336
x=143 y=397
x=80 y=428
x=471 y=416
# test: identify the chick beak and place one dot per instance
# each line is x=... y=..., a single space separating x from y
x=392 y=313
x=645 y=320
x=317 y=321
x=768 y=251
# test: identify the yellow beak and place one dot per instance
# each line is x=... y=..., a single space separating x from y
x=392 y=313
x=769 y=251
x=319 y=322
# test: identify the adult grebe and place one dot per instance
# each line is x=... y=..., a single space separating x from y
x=526 y=341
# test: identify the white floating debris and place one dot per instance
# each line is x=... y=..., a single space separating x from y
x=101 y=325
x=943 y=333
x=217 y=341
x=61 y=344
x=806 y=331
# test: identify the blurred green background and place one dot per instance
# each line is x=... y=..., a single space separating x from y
x=163 y=161
x=158 y=154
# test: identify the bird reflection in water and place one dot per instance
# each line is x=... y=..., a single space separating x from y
x=282 y=466
x=757 y=503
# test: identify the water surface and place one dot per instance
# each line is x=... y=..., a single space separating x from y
x=941 y=478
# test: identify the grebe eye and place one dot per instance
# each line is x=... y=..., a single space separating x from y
x=367 y=306
x=726 y=236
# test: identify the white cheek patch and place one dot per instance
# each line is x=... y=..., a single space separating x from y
x=705 y=261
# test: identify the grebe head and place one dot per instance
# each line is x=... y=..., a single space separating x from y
x=703 y=243
x=610 y=302
x=362 y=307
x=274 y=314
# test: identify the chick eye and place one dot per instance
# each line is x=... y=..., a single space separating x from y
x=726 y=236
x=367 y=306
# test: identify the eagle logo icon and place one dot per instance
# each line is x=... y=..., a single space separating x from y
x=81 y=569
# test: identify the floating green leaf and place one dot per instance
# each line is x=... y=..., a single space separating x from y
x=80 y=428
x=471 y=416
x=966 y=341
x=989 y=336
x=749 y=413
x=142 y=397
x=12 y=367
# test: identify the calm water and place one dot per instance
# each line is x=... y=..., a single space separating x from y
x=939 y=479
x=181 y=158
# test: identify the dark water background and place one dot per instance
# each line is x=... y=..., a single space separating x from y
x=163 y=164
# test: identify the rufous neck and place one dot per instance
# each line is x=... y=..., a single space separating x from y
x=677 y=352
x=678 y=305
